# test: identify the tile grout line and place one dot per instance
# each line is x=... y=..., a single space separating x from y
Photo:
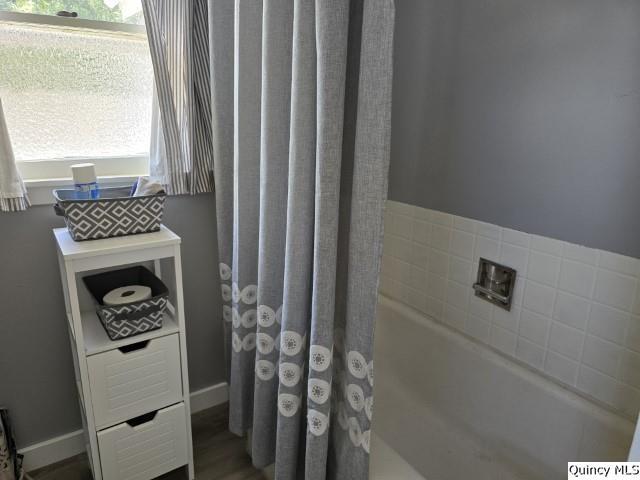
x=586 y=328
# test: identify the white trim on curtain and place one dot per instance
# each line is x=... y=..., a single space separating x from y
x=13 y=194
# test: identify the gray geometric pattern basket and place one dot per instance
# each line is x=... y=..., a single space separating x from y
x=132 y=319
x=114 y=214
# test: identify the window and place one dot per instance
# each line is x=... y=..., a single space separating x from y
x=76 y=89
x=117 y=11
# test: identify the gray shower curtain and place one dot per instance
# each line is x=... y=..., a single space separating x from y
x=301 y=94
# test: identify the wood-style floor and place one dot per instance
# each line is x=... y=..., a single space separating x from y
x=218 y=454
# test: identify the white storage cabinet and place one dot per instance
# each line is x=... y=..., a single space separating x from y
x=133 y=392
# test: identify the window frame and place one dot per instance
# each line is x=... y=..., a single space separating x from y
x=72 y=22
x=40 y=176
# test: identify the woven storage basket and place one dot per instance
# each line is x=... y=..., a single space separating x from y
x=114 y=214
x=131 y=318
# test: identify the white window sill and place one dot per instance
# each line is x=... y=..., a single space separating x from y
x=40 y=191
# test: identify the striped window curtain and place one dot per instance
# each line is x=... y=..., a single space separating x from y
x=13 y=194
x=181 y=153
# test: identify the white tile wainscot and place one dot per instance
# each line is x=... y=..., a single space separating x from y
x=576 y=310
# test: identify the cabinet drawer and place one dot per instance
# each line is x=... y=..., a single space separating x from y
x=145 y=447
x=135 y=379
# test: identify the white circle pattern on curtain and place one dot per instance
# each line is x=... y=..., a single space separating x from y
x=355 y=397
x=265 y=370
x=368 y=407
x=266 y=316
x=318 y=390
x=249 y=318
x=291 y=342
x=249 y=342
x=320 y=358
x=236 y=342
x=289 y=374
x=365 y=440
x=235 y=292
x=265 y=343
x=317 y=422
x=226 y=313
x=226 y=292
x=357 y=364
x=249 y=294
x=225 y=271
x=288 y=404
x=358 y=437
x=370 y=373
x=235 y=318
x=355 y=433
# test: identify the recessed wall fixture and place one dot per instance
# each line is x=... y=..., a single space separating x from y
x=495 y=283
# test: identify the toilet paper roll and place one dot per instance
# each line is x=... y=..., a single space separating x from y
x=128 y=294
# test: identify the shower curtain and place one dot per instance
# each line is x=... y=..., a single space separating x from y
x=301 y=94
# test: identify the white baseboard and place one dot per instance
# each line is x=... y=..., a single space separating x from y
x=209 y=397
x=70 y=444
x=53 y=450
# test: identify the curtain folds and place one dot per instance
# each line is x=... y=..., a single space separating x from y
x=13 y=194
x=301 y=96
x=181 y=153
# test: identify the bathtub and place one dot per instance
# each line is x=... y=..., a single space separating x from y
x=447 y=407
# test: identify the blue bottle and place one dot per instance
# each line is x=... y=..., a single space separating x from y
x=84 y=179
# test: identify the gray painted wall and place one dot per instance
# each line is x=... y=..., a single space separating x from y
x=36 y=369
x=521 y=113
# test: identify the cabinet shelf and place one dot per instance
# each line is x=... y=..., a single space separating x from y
x=71 y=249
x=96 y=339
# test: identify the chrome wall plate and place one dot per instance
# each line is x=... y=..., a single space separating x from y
x=495 y=283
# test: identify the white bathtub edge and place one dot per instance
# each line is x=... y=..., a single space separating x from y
x=586 y=403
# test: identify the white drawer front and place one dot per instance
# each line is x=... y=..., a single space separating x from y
x=125 y=384
x=147 y=450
